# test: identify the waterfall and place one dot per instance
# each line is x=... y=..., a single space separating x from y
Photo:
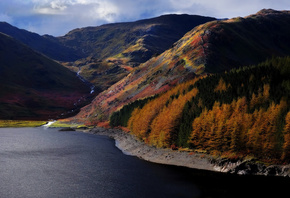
x=92 y=87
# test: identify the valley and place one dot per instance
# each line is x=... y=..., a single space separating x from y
x=219 y=87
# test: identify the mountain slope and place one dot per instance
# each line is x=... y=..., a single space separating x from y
x=212 y=47
x=43 y=44
x=33 y=86
x=221 y=45
x=113 y=50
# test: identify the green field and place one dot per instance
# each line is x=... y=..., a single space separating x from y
x=20 y=123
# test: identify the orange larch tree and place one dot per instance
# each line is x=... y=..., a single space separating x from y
x=164 y=125
x=286 y=133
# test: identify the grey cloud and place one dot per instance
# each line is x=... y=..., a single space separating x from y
x=57 y=17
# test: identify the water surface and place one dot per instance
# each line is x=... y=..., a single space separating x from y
x=35 y=162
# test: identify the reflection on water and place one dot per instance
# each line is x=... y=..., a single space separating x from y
x=46 y=126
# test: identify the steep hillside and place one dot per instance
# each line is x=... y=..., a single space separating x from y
x=221 y=45
x=212 y=47
x=238 y=113
x=148 y=79
x=43 y=44
x=33 y=86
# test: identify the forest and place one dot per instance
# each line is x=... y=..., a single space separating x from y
x=242 y=112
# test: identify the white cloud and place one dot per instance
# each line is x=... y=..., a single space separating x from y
x=60 y=16
x=6 y=18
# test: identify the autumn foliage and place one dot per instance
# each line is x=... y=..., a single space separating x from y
x=156 y=122
x=244 y=112
x=229 y=127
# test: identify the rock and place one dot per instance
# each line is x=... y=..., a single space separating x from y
x=285 y=171
x=82 y=128
x=67 y=129
x=273 y=170
x=248 y=168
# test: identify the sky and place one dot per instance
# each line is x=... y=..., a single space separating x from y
x=58 y=17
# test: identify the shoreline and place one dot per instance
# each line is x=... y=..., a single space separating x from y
x=130 y=145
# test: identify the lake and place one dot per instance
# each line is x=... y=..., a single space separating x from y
x=39 y=162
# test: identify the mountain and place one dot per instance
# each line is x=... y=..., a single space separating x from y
x=212 y=47
x=33 y=86
x=42 y=44
x=105 y=54
x=113 y=50
x=137 y=41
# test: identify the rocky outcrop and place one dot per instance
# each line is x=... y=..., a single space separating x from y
x=254 y=168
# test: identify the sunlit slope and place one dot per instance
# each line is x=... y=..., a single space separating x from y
x=209 y=48
x=111 y=51
x=221 y=45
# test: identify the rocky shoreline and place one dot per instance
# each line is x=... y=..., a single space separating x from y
x=130 y=145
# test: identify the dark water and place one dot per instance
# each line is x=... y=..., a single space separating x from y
x=35 y=162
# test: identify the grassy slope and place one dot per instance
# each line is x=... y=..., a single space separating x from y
x=33 y=86
x=20 y=123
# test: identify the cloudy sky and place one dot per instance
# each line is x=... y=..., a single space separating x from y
x=57 y=17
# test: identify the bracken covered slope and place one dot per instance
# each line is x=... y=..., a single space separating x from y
x=33 y=86
x=222 y=45
x=213 y=47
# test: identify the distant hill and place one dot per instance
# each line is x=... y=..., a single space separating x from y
x=209 y=48
x=33 y=86
x=42 y=44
